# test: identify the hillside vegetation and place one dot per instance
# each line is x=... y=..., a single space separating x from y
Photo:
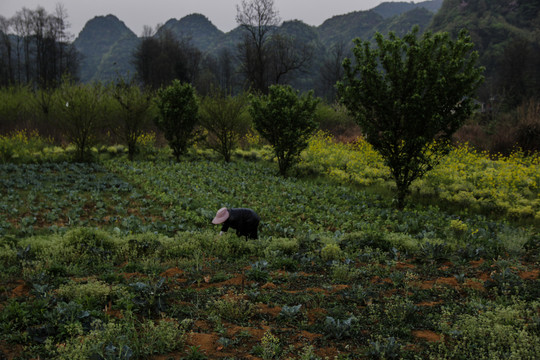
x=207 y=38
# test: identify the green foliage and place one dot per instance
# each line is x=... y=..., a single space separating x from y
x=79 y=112
x=133 y=113
x=334 y=119
x=90 y=294
x=270 y=346
x=15 y=107
x=338 y=328
x=150 y=298
x=286 y=121
x=226 y=120
x=93 y=245
x=285 y=246
x=501 y=332
x=383 y=348
x=178 y=110
x=121 y=340
x=194 y=353
x=409 y=96
x=22 y=147
x=331 y=252
x=344 y=273
x=232 y=308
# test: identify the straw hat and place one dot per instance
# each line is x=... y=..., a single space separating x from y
x=221 y=215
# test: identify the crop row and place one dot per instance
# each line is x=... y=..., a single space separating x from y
x=53 y=197
x=298 y=207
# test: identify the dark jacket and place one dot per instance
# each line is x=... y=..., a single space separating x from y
x=244 y=221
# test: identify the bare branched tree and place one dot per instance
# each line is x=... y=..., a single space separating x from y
x=258 y=18
x=287 y=56
x=37 y=48
x=161 y=58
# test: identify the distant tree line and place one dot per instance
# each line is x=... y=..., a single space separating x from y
x=35 y=48
x=263 y=57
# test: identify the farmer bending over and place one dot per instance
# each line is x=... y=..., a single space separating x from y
x=244 y=221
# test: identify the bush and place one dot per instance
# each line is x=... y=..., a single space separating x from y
x=361 y=239
x=331 y=252
x=22 y=146
x=122 y=340
x=226 y=119
x=286 y=246
x=79 y=111
x=503 y=332
x=232 y=308
x=15 y=107
x=89 y=294
x=335 y=120
x=133 y=113
x=286 y=121
x=178 y=110
x=90 y=246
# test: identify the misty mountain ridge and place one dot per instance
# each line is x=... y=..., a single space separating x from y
x=107 y=44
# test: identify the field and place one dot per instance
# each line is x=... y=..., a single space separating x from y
x=119 y=260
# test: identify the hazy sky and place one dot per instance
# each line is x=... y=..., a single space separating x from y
x=137 y=13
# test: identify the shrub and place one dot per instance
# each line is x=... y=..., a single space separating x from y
x=331 y=252
x=178 y=110
x=226 y=119
x=503 y=332
x=359 y=239
x=335 y=120
x=344 y=273
x=90 y=294
x=89 y=246
x=232 y=308
x=133 y=114
x=286 y=246
x=22 y=146
x=8 y=256
x=121 y=340
x=286 y=121
x=15 y=107
x=79 y=112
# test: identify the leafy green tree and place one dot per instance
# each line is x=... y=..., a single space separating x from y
x=226 y=119
x=286 y=120
x=178 y=109
x=80 y=112
x=133 y=113
x=409 y=96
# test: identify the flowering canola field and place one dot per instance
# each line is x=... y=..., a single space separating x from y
x=500 y=185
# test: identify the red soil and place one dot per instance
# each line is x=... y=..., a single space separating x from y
x=529 y=275
x=21 y=289
x=401 y=265
x=426 y=335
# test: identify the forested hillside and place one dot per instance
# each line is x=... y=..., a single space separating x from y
x=389 y=9
x=114 y=43
x=505 y=33
x=203 y=34
x=106 y=45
